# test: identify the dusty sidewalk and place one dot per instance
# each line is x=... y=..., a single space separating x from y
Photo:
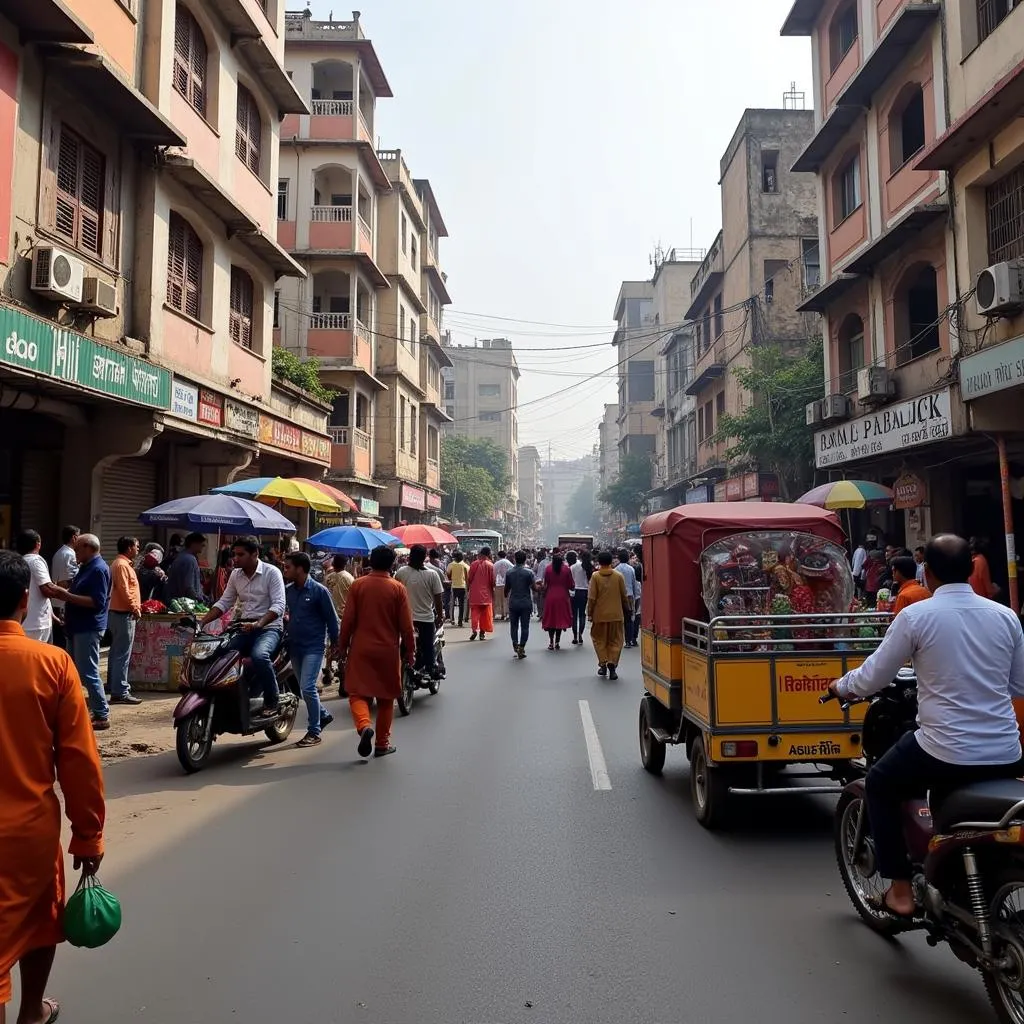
x=141 y=730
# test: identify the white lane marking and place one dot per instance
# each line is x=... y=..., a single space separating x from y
x=598 y=768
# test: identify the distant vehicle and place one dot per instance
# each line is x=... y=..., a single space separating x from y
x=576 y=542
x=471 y=541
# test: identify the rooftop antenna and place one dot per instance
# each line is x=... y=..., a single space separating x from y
x=794 y=99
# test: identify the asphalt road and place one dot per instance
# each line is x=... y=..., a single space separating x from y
x=479 y=876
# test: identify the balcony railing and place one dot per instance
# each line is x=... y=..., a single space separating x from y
x=362 y=330
x=298 y=26
x=712 y=263
x=332 y=108
x=339 y=435
x=330 y=321
x=331 y=214
x=991 y=13
x=362 y=439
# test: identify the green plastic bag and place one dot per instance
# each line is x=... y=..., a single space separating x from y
x=92 y=917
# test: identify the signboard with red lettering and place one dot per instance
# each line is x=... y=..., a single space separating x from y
x=433 y=501
x=316 y=447
x=909 y=491
x=750 y=482
x=279 y=434
x=412 y=497
x=734 y=489
x=211 y=408
x=799 y=684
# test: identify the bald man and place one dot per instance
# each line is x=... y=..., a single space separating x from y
x=968 y=653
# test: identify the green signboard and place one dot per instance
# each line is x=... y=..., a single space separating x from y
x=33 y=344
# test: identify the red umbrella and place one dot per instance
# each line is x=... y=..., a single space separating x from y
x=419 y=534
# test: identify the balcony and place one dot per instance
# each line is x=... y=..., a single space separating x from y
x=432 y=476
x=330 y=227
x=708 y=277
x=350 y=452
x=302 y=29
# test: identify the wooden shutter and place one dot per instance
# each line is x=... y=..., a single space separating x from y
x=69 y=155
x=241 y=307
x=248 y=130
x=80 y=194
x=91 y=201
x=193 y=272
x=184 y=267
x=190 y=59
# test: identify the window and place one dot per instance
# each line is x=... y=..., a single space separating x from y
x=769 y=170
x=413 y=255
x=705 y=330
x=248 y=131
x=405 y=234
x=709 y=421
x=449 y=391
x=401 y=422
x=489 y=390
x=842 y=34
x=773 y=270
x=906 y=127
x=80 y=187
x=917 y=312
x=1004 y=204
x=184 y=267
x=811 y=264
x=282 y=199
x=413 y=416
x=277 y=310
x=401 y=323
x=720 y=404
x=190 y=59
x=640 y=377
x=846 y=189
x=412 y=334
x=340 y=409
x=362 y=413
x=719 y=319
x=991 y=13
x=433 y=443
x=851 y=352
x=490 y=417
x=240 y=322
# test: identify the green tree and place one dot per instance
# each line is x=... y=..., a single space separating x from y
x=628 y=491
x=581 y=511
x=476 y=451
x=303 y=373
x=474 y=478
x=771 y=434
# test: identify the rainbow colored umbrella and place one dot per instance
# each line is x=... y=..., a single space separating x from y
x=847 y=494
x=297 y=493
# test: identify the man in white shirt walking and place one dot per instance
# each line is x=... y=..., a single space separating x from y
x=968 y=653
x=259 y=588
x=38 y=622
x=502 y=567
x=63 y=569
x=628 y=573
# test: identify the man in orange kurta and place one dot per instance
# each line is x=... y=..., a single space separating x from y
x=45 y=735
x=376 y=634
x=904 y=572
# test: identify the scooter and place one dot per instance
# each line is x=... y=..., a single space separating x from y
x=967 y=853
x=414 y=679
x=215 y=696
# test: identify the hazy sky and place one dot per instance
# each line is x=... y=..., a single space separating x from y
x=565 y=139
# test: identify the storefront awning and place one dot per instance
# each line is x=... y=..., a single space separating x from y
x=45 y=21
x=238 y=223
x=896 y=237
x=91 y=74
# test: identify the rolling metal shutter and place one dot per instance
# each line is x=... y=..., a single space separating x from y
x=128 y=488
x=40 y=492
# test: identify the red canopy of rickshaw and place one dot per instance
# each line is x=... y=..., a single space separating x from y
x=673 y=542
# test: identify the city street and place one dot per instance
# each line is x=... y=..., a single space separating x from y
x=485 y=873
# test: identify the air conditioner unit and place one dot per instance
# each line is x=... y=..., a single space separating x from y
x=98 y=297
x=875 y=383
x=1000 y=288
x=835 y=407
x=57 y=274
x=813 y=412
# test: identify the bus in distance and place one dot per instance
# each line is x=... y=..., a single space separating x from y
x=471 y=541
x=576 y=542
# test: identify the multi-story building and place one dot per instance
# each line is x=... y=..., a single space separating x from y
x=636 y=342
x=561 y=478
x=483 y=383
x=607 y=461
x=139 y=260
x=531 y=493
x=328 y=189
x=673 y=407
x=409 y=353
x=881 y=149
x=747 y=289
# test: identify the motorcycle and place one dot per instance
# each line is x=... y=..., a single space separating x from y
x=215 y=696
x=967 y=852
x=414 y=679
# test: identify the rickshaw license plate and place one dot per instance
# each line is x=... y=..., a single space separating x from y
x=788 y=747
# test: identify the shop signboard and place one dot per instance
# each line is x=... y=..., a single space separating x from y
x=243 y=419
x=280 y=434
x=720 y=491
x=434 y=501
x=909 y=491
x=369 y=506
x=211 y=408
x=316 y=447
x=750 y=485
x=412 y=497
x=37 y=345
x=992 y=369
x=734 y=489
x=696 y=495
x=906 y=424
x=184 y=400
x=769 y=486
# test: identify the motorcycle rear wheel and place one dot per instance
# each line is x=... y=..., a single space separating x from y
x=435 y=684
x=408 y=694
x=281 y=729
x=1006 y=989
x=192 y=749
x=859 y=886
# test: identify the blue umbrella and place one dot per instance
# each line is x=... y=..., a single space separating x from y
x=352 y=540
x=218 y=512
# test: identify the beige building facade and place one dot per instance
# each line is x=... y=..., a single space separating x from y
x=636 y=344
x=531 y=494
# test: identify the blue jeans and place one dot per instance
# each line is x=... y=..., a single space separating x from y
x=261 y=645
x=85 y=652
x=122 y=638
x=579 y=612
x=306 y=665
x=519 y=623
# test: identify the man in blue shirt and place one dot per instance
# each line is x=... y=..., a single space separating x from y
x=632 y=590
x=86 y=602
x=184 y=578
x=311 y=618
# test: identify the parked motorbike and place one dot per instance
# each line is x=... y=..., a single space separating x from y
x=414 y=679
x=215 y=685
x=968 y=856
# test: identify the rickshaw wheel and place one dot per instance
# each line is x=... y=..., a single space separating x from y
x=709 y=788
x=652 y=751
